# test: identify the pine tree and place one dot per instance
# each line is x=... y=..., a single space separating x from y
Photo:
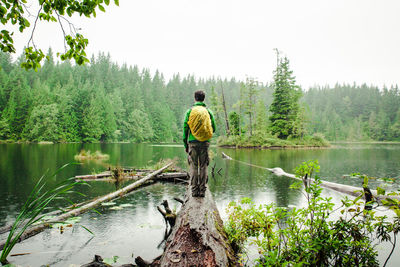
x=395 y=128
x=139 y=128
x=3 y=83
x=261 y=125
x=92 y=121
x=216 y=107
x=284 y=108
x=234 y=121
x=249 y=102
x=42 y=124
x=17 y=109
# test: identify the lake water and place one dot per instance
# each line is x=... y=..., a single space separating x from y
x=138 y=230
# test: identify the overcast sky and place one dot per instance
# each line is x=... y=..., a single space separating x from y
x=325 y=41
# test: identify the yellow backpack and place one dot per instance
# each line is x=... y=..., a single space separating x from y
x=200 y=123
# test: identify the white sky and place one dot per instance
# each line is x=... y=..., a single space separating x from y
x=326 y=41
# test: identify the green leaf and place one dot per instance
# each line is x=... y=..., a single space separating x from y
x=112 y=260
x=397 y=211
x=97 y=211
x=102 y=8
x=365 y=184
x=87 y=229
x=380 y=191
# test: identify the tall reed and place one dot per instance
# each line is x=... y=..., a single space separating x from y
x=32 y=210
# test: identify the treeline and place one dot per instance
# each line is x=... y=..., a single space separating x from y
x=103 y=101
x=354 y=113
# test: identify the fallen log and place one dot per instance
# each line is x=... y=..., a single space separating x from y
x=342 y=188
x=75 y=212
x=165 y=177
x=170 y=176
x=111 y=172
x=198 y=237
x=94 y=176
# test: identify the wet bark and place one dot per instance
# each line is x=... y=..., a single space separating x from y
x=198 y=238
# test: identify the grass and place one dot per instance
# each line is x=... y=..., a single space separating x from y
x=87 y=155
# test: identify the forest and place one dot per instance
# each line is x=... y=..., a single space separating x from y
x=107 y=102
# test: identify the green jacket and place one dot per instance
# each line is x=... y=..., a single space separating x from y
x=187 y=135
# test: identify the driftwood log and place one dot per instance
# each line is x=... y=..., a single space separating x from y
x=198 y=237
x=107 y=177
x=342 y=188
x=75 y=212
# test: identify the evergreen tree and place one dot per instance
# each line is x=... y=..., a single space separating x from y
x=139 y=128
x=67 y=118
x=284 y=108
x=234 y=121
x=5 y=132
x=92 y=121
x=3 y=83
x=301 y=121
x=18 y=106
x=249 y=102
x=395 y=128
x=42 y=124
x=216 y=107
x=261 y=125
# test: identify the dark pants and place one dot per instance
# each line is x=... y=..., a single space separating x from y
x=198 y=162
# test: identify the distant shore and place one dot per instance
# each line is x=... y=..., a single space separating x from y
x=275 y=147
x=287 y=144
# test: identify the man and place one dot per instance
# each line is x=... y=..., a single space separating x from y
x=198 y=127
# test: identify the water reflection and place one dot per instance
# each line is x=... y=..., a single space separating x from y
x=139 y=229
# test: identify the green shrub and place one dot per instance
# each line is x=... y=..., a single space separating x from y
x=308 y=236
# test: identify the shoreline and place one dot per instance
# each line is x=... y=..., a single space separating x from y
x=331 y=144
x=274 y=147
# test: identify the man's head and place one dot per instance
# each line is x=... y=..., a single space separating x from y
x=199 y=96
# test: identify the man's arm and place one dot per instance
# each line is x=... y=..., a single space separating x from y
x=186 y=130
x=212 y=120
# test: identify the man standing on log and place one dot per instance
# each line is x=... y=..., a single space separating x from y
x=198 y=128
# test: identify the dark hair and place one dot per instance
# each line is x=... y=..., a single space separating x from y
x=199 y=95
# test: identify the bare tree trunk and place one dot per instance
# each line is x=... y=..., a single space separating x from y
x=228 y=132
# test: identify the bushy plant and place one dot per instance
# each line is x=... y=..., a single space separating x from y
x=308 y=236
x=318 y=139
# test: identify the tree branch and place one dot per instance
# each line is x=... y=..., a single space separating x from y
x=62 y=28
x=34 y=27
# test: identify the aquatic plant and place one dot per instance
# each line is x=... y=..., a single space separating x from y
x=87 y=155
x=309 y=235
x=31 y=212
